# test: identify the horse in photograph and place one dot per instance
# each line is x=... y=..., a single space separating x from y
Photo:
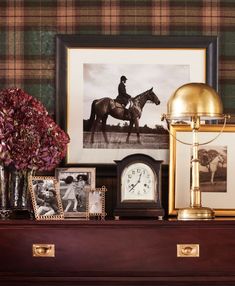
x=211 y=160
x=214 y=164
x=102 y=108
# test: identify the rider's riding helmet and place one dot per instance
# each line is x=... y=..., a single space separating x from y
x=123 y=78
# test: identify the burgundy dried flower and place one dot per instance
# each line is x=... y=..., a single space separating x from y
x=29 y=138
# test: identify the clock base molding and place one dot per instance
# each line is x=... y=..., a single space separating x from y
x=138 y=213
x=117 y=253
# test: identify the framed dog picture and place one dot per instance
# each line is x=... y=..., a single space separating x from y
x=74 y=187
x=45 y=198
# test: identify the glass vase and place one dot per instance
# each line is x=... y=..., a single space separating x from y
x=4 y=193
x=15 y=197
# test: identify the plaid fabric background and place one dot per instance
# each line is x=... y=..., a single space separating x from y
x=28 y=29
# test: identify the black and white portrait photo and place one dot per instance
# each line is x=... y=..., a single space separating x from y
x=45 y=198
x=123 y=104
x=74 y=185
x=216 y=155
x=97 y=202
x=117 y=97
x=213 y=168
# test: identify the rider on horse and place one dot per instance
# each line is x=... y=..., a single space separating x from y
x=122 y=97
x=103 y=107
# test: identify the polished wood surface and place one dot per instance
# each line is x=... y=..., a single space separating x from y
x=125 y=252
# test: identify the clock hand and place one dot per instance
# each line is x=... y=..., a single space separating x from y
x=140 y=177
x=136 y=183
x=133 y=186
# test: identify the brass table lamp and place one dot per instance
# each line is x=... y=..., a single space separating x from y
x=195 y=102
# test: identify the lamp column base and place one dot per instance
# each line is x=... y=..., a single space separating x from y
x=196 y=213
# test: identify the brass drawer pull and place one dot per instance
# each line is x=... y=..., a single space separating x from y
x=43 y=250
x=188 y=250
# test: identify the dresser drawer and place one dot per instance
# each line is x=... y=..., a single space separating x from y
x=133 y=249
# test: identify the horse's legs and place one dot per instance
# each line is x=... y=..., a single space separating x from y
x=137 y=130
x=104 y=119
x=129 y=132
x=93 y=129
x=212 y=177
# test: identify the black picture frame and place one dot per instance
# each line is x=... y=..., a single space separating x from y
x=66 y=42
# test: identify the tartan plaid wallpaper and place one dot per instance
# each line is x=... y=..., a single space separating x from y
x=28 y=29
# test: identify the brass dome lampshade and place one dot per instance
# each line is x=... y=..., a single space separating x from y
x=195 y=102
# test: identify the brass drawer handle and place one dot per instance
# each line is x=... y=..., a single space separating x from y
x=43 y=250
x=188 y=250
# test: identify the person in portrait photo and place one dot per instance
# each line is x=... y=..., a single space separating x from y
x=81 y=191
x=123 y=97
x=70 y=194
x=47 y=202
x=95 y=202
x=38 y=188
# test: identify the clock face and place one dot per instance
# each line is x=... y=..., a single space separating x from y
x=138 y=182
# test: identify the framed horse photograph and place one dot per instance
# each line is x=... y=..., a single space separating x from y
x=112 y=91
x=216 y=155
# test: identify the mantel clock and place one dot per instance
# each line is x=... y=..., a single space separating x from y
x=138 y=187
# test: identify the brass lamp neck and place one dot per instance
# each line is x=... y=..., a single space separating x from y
x=195 y=197
x=195 y=122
